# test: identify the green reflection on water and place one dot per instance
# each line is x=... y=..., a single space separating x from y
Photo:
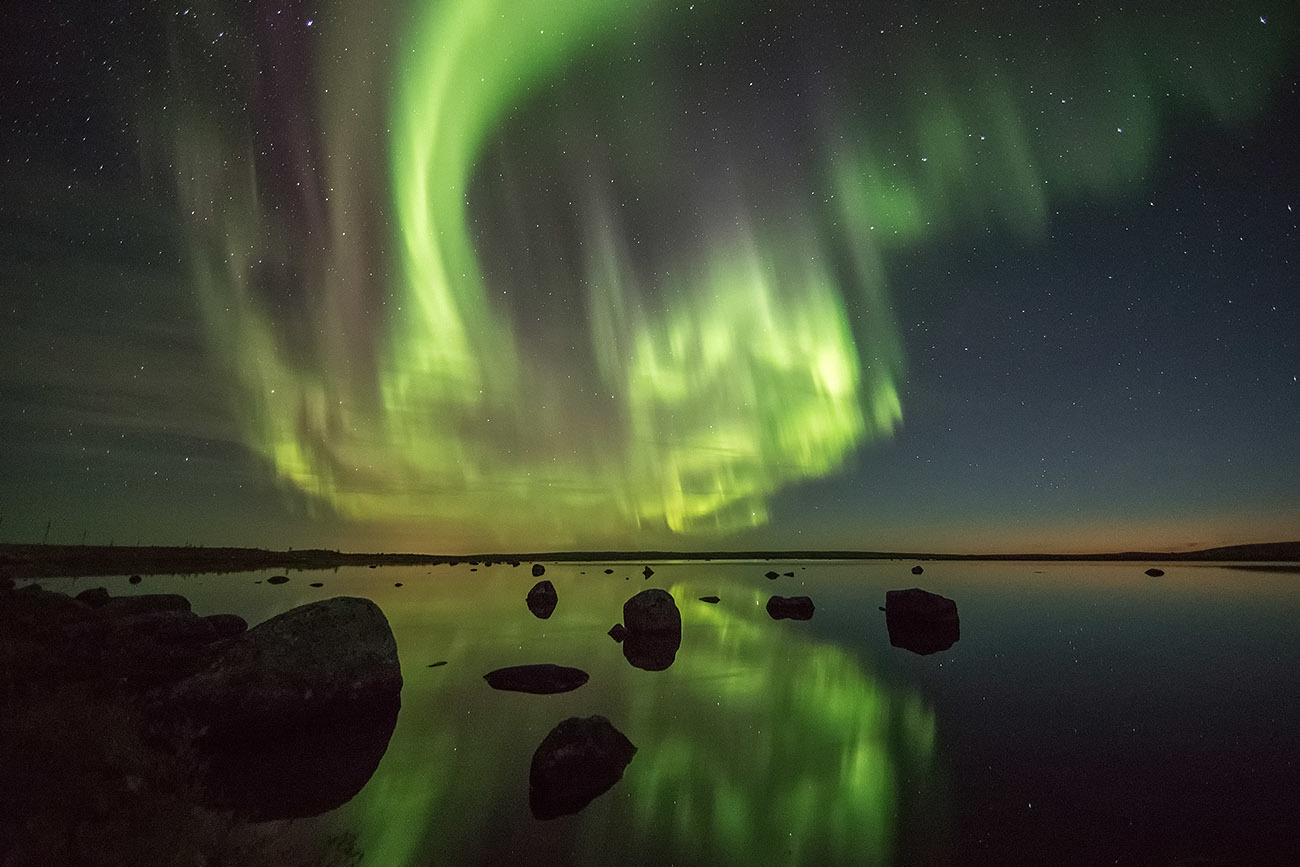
x=758 y=744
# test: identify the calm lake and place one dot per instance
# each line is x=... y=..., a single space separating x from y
x=1089 y=714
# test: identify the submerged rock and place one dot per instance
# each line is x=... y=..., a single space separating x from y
x=333 y=659
x=578 y=761
x=540 y=679
x=542 y=599
x=920 y=621
x=790 y=608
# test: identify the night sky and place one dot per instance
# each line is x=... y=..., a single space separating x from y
x=466 y=275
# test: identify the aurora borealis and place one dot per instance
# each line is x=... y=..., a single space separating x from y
x=470 y=275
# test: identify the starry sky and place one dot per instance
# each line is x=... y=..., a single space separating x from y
x=467 y=275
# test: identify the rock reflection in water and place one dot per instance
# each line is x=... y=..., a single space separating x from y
x=304 y=774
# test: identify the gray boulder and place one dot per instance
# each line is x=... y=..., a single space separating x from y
x=320 y=662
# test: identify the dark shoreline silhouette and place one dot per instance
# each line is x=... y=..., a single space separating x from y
x=48 y=561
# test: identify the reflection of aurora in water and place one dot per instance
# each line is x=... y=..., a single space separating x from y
x=471 y=267
x=757 y=740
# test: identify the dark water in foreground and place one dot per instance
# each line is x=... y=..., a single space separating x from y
x=1088 y=715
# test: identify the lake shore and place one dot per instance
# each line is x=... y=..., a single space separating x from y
x=50 y=561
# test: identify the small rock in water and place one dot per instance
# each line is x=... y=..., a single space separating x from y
x=538 y=570
x=609 y=571
x=771 y=576
x=398 y=584
x=711 y=599
x=917 y=570
x=134 y=579
x=1153 y=572
x=317 y=584
x=278 y=579
x=542 y=599
x=788 y=574
x=618 y=632
x=920 y=621
x=436 y=664
x=543 y=679
x=647 y=572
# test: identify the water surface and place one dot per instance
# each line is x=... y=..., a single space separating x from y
x=1088 y=714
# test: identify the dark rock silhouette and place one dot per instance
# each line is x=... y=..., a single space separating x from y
x=654 y=630
x=227 y=625
x=578 y=761
x=304 y=773
x=538 y=570
x=609 y=571
x=920 y=621
x=771 y=576
x=1154 y=572
x=788 y=574
x=330 y=660
x=542 y=599
x=278 y=579
x=148 y=603
x=134 y=579
x=790 y=608
x=917 y=570
x=618 y=632
x=94 y=596
x=437 y=664
x=711 y=599
x=317 y=584
x=647 y=571
x=540 y=679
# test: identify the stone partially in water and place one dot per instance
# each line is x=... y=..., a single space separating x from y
x=538 y=570
x=542 y=599
x=540 y=679
x=1153 y=572
x=710 y=599
x=654 y=630
x=577 y=762
x=334 y=659
x=920 y=621
x=278 y=579
x=618 y=632
x=917 y=570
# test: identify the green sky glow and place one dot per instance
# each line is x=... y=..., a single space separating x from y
x=396 y=385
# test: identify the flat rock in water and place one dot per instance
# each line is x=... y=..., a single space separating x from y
x=710 y=599
x=1153 y=572
x=578 y=761
x=542 y=599
x=771 y=576
x=541 y=679
x=920 y=621
x=790 y=608
x=308 y=666
x=278 y=579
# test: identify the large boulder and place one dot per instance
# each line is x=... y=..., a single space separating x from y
x=579 y=760
x=321 y=662
x=920 y=621
x=654 y=630
x=540 y=679
x=542 y=599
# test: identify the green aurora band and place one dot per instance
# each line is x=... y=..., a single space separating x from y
x=397 y=385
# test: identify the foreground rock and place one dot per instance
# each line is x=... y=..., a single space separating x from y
x=654 y=630
x=790 y=608
x=542 y=599
x=540 y=679
x=579 y=760
x=920 y=621
x=318 y=663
